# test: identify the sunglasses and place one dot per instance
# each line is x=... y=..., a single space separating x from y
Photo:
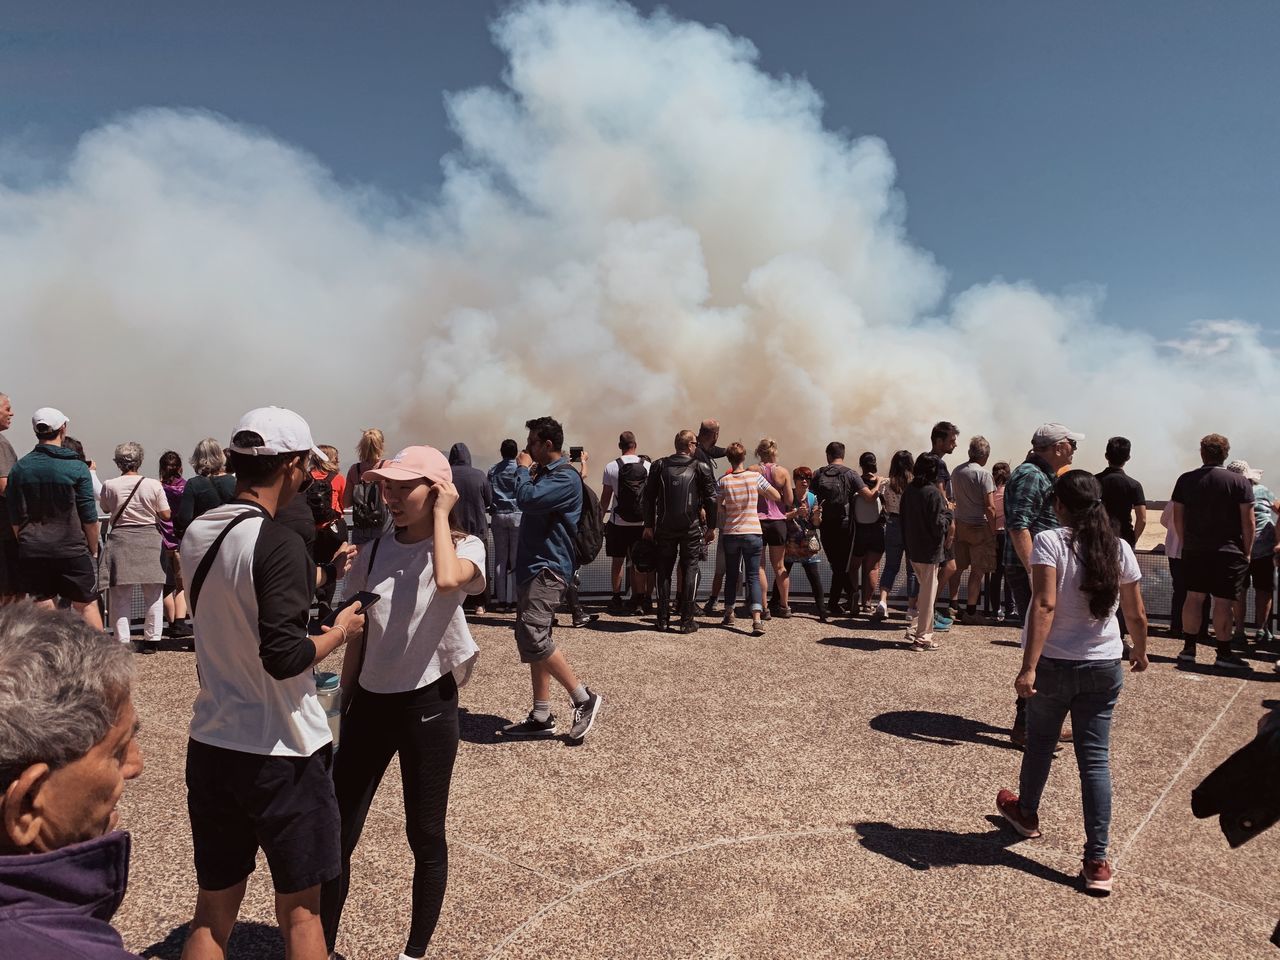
x=1072 y=442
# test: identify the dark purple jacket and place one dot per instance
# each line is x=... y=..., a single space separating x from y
x=58 y=906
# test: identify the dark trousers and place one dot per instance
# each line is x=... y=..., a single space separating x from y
x=1019 y=582
x=422 y=727
x=997 y=590
x=815 y=586
x=837 y=542
x=690 y=549
x=1177 y=573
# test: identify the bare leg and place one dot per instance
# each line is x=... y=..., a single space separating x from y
x=299 y=917
x=216 y=912
x=1192 y=619
x=1221 y=619
x=556 y=666
x=89 y=611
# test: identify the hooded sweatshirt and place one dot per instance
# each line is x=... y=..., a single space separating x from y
x=59 y=905
x=475 y=496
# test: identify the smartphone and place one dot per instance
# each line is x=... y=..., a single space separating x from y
x=575 y=454
x=364 y=598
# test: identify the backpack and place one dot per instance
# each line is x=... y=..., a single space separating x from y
x=589 y=537
x=368 y=512
x=320 y=500
x=829 y=486
x=679 y=508
x=630 y=492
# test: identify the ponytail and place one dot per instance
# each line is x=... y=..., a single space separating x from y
x=1093 y=539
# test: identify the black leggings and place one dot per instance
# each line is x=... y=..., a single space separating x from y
x=422 y=727
x=837 y=541
x=815 y=585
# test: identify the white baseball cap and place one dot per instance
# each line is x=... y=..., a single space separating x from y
x=48 y=420
x=1047 y=434
x=281 y=430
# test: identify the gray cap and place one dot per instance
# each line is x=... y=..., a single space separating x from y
x=1047 y=434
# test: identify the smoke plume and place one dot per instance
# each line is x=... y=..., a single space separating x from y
x=639 y=229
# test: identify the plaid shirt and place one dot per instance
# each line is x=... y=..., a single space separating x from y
x=1028 y=503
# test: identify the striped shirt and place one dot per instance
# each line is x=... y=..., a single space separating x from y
x=737 y=498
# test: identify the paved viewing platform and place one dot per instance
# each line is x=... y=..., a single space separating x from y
x=817 y=792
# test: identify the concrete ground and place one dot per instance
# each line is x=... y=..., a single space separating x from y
x=818 y=792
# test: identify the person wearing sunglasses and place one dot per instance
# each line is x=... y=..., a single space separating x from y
x=1028 y=510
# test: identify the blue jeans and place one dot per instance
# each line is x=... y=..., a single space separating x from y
x=744 y=549
x=894 y=550
x=505 y=528
x=1087 y=690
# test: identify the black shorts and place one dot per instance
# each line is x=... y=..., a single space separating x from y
x=239 y=802
x=71 y=578
x=1221 y=575
x=618 y=540
x=774 y=532
x=867 y=538
x=1262 y=574
x=8 y=564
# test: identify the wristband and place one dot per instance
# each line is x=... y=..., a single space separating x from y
x=338 y=626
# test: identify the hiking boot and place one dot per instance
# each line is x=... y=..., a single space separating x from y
x=689 y=626
x=765 y=614
x=757 y=628
x=1096 y=875
x=1226 y=660
x=1025 y=824
x=584 y=715
x=1188 y=654
x=728 y=621
x=530 y=729
x=709 y=608
x=783 y=613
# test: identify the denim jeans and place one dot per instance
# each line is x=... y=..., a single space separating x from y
x=894 y=550
x=506 y=534
x=744 y=549
x=1087 y=690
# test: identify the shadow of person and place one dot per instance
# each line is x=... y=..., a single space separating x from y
x=261 y=941
x=942 y=729
x=922 y=849
x=479 y=727
x=863 y=643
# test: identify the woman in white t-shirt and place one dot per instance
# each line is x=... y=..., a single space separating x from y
x=400 y=683
x=1071 y=661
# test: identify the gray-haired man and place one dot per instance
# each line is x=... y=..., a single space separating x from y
x=67 y=748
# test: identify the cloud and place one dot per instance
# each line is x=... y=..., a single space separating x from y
x=640 y=228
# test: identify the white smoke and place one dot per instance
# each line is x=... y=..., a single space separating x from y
x=639 y=230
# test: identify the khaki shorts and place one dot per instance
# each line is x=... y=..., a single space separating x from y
x=536 y=603
x=975 y=547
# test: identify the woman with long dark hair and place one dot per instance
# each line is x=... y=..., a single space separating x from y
x=175 y=596
x=926 y=531
x=894 y=546
x=1071 y=661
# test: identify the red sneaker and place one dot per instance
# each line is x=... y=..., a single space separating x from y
x=1097 y=877
x=1007 y=806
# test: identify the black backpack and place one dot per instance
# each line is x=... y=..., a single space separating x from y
x=368 y=512
x=589 y=537
x=630 y=492
x=678 y=509
x=830 y=487
x=320 y=500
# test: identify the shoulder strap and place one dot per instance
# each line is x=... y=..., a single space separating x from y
x=124 y=506
x=206 y=562
x=364 y=644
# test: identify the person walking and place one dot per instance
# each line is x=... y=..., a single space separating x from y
x=137 y=506
x=400 y=681
x=773 y=526
x=1071 y=662
x=926 y=530
x=504 y=524
x=1028 y=510
x=1213 y=514
x=737 y=497
x=679 y=511
x=546 y=560
x=900 y=467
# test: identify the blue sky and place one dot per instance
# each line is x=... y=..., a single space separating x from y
x=1129 y=146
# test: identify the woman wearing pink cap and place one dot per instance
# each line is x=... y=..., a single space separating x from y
x=402 y=680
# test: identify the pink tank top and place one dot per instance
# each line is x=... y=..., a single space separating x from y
x=768 y=509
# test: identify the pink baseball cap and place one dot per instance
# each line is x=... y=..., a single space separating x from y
x=414 y=463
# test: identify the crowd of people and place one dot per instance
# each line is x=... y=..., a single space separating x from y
x=235 y=556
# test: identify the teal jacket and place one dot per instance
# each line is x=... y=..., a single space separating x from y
x=50 y=498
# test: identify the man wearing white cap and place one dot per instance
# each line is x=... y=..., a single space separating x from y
x=54 y=515
x=260 y=753
x=1028 y=510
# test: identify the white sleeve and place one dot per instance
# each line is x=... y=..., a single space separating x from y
x=1130 y=572
x=762 y=483
x=357 y=577
x=472 y=548
x=158 y=501
x=604 y=480
x=1046 y=549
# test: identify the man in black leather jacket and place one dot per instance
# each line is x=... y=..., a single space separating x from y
x=679 y=516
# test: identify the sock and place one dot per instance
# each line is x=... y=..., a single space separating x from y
x=579 y=695
x=971 y=608
x=1224 y=648
x=541 y=709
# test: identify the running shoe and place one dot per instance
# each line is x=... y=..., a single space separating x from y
x=584 y=715
x=1229 y=661
x=530 y=728
x=757 y=628
x=879 y=613
x=941 y=624
x=584 y=620
x=1188 y=654
x=1025 y=824
x=1096 y=875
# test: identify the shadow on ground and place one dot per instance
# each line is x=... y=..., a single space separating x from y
x=863 y=643
x=943 y=729
x=923 y=849
x=248 y=939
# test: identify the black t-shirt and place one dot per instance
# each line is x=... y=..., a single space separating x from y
x=1120 y=494
x=944 y=477
x=297 y=516
x=1211 y=499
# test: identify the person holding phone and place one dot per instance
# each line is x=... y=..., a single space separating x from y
x=400 y=682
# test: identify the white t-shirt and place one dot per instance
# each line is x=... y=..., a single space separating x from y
x=611 y=481
x=1075 y=634
x=412 y=644
x=143 y=509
